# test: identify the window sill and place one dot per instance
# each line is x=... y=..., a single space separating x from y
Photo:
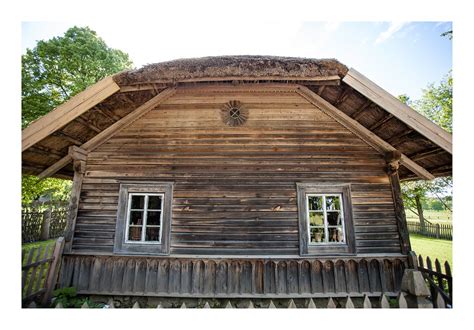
x=141 y=248
x=328 y=249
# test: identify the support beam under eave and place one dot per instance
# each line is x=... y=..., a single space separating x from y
x=361 y=131
x=68 y=111
x=106 y=134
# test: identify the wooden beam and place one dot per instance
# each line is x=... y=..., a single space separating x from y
x=381 y=122
x=419 y=156
x=343 y=96
x=87 y=124
x=106 y=134
x=321 y=90
x=106 y=114
x=400 y=138
x=77 y=153
x=110 y=113
x=79 y=170
x=407 y=115
x=69 y=138
x=45 y=151
x=65 y=113
x=356 y=115
x=151 y=85
x=392 y=171
x=369 y=137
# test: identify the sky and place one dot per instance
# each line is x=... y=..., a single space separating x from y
x=402 y=57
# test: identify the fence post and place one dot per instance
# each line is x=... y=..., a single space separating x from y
x=413 y=284
x=53 y=271
x=46 y=224
x=412 y=262
x=437 y=231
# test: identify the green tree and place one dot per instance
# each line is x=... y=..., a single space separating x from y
x=435 y=104
x=61 y=67
x=51 y=188
x=54 y=71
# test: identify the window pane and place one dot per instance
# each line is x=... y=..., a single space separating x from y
x=136 y=217
x=334 y=218
x=154 y=202
x=335 y=234
x=152 y=234
x=316 y=218
x=333 y=203
x=317 y=235
x=134 y=233
x=138 y=202
x=315 y=202
x=153 y=218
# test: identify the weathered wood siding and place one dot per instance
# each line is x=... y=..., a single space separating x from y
x=235 y=189
x=155 y=276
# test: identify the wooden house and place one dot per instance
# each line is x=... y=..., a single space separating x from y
x=236 y=176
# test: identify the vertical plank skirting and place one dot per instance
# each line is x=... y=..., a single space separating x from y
x=160 y=276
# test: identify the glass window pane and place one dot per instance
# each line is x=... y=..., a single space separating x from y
x=136 y=218
x=154 y=202
x=334 y=218
x=335 y=234
x=134 y=233
x=152 y=234
x=138 y=202
x=317 y=235
x=315 y=202
x=316 y=218
x=333 y=203
x=153 y=218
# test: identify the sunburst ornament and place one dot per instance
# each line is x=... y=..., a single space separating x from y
x=234 y=114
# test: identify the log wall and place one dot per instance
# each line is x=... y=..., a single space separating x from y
x=234 y=187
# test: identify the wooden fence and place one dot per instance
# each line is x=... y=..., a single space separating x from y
x=43 y=221
x=40 y=269
x=403 y=300
x=439 y=280
x=443 y=231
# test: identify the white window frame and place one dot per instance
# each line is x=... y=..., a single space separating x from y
x=145 y=216
x=326 y=226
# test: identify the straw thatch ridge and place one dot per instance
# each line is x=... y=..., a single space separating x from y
x=224 y=66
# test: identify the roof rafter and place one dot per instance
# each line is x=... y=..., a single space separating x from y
x=369 y=137
x=400 y=110
x=63 y=114
x=106 y=134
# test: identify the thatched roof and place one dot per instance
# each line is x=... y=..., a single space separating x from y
x=427 y=145
x=233 y=66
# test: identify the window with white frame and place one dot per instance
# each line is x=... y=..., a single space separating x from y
x=144 y=218
x=325 y=219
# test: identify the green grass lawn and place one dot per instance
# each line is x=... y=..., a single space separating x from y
x=433 y=248
x=25 y=249
x=441 y=217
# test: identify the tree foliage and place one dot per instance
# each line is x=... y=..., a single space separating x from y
x=54 y=71
x=437 y=103
x=61 y=67
x=51 y=189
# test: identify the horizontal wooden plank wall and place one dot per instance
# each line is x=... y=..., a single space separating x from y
x=155 y=276
x=235 y=189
